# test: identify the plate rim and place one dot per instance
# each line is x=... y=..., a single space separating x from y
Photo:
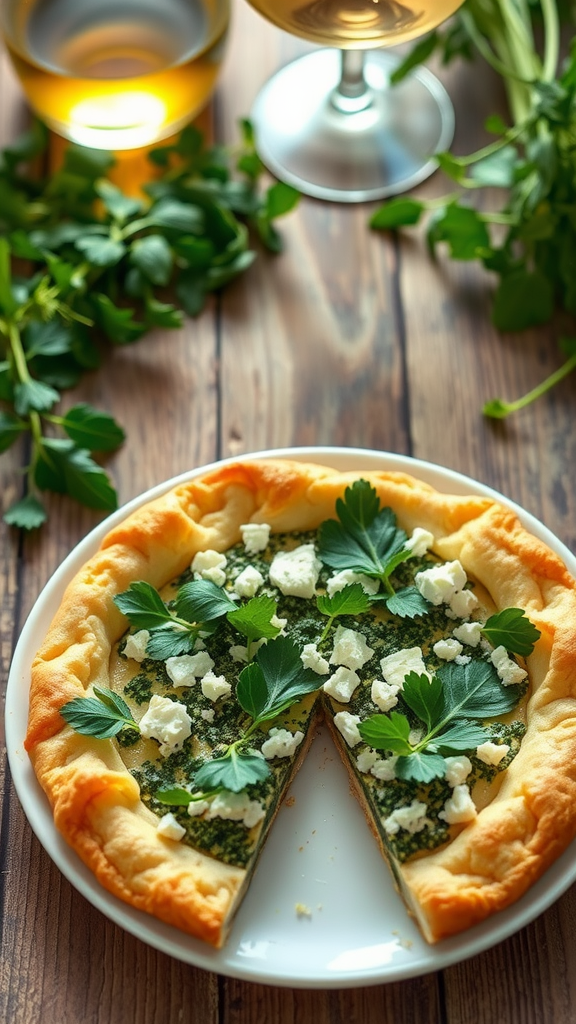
x=167 y=939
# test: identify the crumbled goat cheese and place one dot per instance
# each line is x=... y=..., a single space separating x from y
x=311 y=658
x=281 y=743
x=439 y=583
x=166 y=721
x=213 y=687
x=135 y=646
x=420 y=541
x=238 y=653
x=507 y=669
x=346 y=577
x=448 y=649
x=236 y=807
x=170 y=828
x=296 y=572
x=248 y=582
x=469 y=633
x=350 y=649
x=197 y=807
x=342 y=684
x=184 y=669
x=457 y=769
x=384 y=694
x=255 y=537
x=385 y=769
x=462 y=659
x=463 y=603
x=347 y=726
x=492 y=753
x=210 y=565
x=280 y=624
x=459 y=807
x=414 y=737
x=207 y=714
x=411 y=819
x=395 y=667
x=366 y=759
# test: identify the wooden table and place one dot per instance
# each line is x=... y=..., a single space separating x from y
x=349 y=338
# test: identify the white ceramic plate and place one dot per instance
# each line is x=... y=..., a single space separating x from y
x=320 y=852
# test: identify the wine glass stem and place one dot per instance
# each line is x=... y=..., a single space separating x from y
x=352 y=94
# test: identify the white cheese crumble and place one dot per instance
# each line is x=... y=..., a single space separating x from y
x=213 y=687
x=280 y=624
x=347 y=726
x=457 y=769
x=166 y=721
x=366 y=759
x=248 y=582
x=236 y=807
x=492 y=753
x=463 y=603
x=255 y=537
x=238 y=653
x=350 y=649
x=210 y=565
x=197 y=807
x=385 y=769
x=395 y=667
x=281 y=743
x=420 y=541
x=170 y=828
x=296 y=572
x=411 y=819
x=207 y=714
x=384 y=694
x=184 y=669
x=462 y=659
x=448 y=649
x=459 y=807
x=342 y=684
x=135 y=646
x=507 y=669
x=311 y=658
x=439 y=583
x=469 y=633
x=346 y=577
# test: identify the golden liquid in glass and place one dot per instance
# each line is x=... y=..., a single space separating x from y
x=350 y=24
x=116 y=74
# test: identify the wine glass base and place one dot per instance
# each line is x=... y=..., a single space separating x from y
x=376 y=152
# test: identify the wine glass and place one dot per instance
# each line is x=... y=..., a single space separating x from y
x=329 y=123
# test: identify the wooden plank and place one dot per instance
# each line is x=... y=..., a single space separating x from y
x=310 y=339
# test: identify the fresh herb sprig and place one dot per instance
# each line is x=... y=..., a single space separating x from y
x=351 y=600
x=109 y=267
x=511 y=628
x=198 y=608
x=104 y=715
x=366 y=540
x=528 y=242
x=445 y=706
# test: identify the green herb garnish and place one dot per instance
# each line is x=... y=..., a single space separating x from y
x=367 y=540
x=527 y=241
x=512 y=629
x=102 y=266
x=445 y=706
x=104 y=715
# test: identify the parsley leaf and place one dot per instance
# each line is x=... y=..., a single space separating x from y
x=512 y=629
x=351 y=600
x=202 y=601
x=253 y=619
x=234 y=771
x=101 y=716
x=274 y=681
x=367 y=540
x=143 y=606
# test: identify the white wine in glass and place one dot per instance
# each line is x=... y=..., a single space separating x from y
x=330 y=123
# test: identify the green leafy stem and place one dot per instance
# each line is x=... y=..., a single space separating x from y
x=102 y=264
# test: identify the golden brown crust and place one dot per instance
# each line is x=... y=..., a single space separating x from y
x=95 y=799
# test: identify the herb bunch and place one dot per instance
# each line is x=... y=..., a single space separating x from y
x=528 y=242
x=105 y=266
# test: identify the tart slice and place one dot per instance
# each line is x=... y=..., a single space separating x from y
x=178 y=687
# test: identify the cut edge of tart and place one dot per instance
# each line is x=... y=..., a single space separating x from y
x=96 y=801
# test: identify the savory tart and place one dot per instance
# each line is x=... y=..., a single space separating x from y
x=178 y=687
